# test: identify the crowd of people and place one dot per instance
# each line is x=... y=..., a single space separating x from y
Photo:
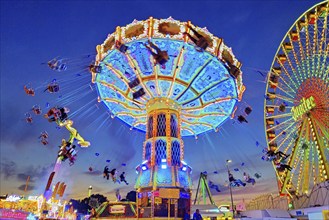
x=67 y=151
x=278 y=158
x=114 y=175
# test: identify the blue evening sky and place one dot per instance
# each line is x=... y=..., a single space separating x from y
x=33 y=32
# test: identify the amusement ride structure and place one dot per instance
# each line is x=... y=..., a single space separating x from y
x=193 y=92
x=297 y=102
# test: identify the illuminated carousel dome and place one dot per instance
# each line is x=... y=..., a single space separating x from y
x=197 y=83
x=192 y=92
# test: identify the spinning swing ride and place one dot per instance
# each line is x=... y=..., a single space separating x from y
x=297 y=102
x=194 y=91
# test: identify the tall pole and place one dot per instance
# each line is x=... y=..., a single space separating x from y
x=229 y=184
x=89 y=191
x=27 y=183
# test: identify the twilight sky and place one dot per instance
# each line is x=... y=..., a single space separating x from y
x=33 y=32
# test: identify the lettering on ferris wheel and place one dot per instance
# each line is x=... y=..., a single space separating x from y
x=305 y=106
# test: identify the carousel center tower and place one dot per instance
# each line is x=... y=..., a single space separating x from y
x=195 y=91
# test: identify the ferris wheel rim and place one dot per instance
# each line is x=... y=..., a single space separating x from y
x=326 y=3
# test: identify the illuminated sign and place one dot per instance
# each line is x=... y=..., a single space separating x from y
x=13 y=214
x=224 y=208
x=13 y=198
x=117 y=209
x=32 y=198
x=169 y=193
x=305 y=106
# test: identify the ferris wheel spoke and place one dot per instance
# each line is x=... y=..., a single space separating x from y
x=279 y=116
x=322 y=127
x=284 y=98
x=306 y=171
x=297 y=61
x=290 y=176
x=320 y=150
x=325 y=66
x=323 y=62
x=314 y=50
x=314 y=174
x=320 y=45
x=294 y=166
x=280 y=124
x=308 y=46
x=308 y=53
x=300 y=173
x=302 y=52
x=290 y=140
x=304 y=176
x=286 y=83
x=293 y=156
x=281 y=133
x=291 y=65
x=286 y=73
x=287 y=91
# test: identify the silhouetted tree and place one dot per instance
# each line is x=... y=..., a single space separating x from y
x=131 y=196
x=84 y=205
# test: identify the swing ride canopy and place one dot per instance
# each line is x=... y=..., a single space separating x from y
x=198 y=84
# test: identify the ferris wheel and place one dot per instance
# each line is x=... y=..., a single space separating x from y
x=296 y=105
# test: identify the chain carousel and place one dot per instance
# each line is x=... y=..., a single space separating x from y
x=194 y=91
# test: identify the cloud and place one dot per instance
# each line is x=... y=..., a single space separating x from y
x=35 y=173
x=8 y=168
x=29 y=187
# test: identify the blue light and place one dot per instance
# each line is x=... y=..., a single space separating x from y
x=184 y=168
x=206 y=77
x=184 y=195
x=183 y=162
x=163 y=160
x=144 y=167
x=163 y=166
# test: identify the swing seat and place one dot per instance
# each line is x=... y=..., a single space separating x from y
x=123 y=48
